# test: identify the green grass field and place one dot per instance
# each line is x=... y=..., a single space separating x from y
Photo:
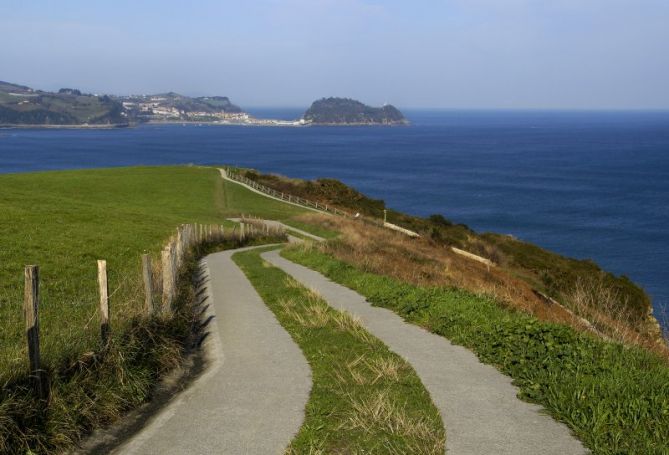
x=64 y=222
x=365 y=398
x=615 y=398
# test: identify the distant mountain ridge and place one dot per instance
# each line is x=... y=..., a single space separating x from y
x=346 y=111
x=21 y=105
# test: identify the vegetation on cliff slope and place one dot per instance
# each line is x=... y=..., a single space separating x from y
x=614 y=397
x=21 y=105
x=332 y=111
x=525 y=275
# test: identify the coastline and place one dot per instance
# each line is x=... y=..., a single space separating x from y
x=260 y=123
x=9 y=126
x=394 y=124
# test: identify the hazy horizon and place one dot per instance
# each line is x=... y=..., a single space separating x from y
x=448 y=54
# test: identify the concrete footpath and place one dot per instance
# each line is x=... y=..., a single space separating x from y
x=478 y=404
x=251 y=399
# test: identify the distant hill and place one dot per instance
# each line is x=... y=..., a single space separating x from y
x=21 y=105
x=24 y=106
x=345 y=111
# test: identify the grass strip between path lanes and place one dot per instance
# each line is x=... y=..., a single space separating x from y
x=615 y=398
x=365 y=398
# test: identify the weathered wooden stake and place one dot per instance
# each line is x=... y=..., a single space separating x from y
x=148 y=284
x=179 y=246
x=31 y=315
x=104 y=301
x=166 y=258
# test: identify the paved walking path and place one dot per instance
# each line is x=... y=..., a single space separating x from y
x=478 y=404
x=251 y=399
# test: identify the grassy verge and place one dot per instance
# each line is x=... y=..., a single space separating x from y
x=615 y=398
x=365 y=399
x=95 y=388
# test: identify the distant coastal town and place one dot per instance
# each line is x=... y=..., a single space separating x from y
x=174 y=108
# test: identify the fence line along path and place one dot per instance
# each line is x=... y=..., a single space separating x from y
x=254 y=186
x=228 y=174
x=173 y=257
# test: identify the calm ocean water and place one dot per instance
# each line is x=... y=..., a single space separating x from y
x=584 y=184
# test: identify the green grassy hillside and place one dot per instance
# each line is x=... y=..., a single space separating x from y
x=64 y=221
x=21 y=105
x=614 y=397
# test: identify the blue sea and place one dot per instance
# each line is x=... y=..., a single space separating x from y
x=584 y=184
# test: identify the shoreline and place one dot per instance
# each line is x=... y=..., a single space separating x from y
x=64 y=127
x=257 y=123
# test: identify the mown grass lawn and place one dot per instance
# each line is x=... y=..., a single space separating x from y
x=615 y=398
x=365 y=399
x=64 y=221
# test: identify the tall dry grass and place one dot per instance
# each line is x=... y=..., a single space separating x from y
x=591 y=306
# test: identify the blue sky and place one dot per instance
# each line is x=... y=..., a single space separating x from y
x=600 y=54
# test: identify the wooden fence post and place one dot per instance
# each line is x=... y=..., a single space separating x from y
x=179 y=246
x=175 y=270
x=31 y=315
x=148 y=284
x=166 y=257
x=104 y=301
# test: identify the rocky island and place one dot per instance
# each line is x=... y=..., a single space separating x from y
x=345 y=111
